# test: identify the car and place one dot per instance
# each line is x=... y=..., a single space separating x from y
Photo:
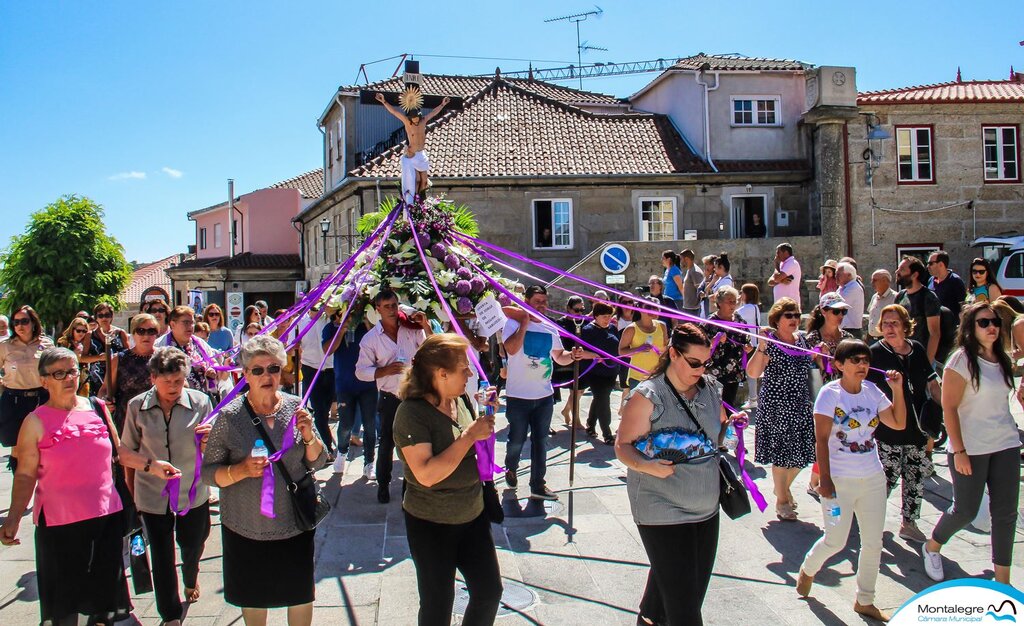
x=1006 y=254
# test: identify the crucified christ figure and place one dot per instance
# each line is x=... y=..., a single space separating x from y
x=415 y=163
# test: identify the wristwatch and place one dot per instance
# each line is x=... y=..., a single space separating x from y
x=963 y=451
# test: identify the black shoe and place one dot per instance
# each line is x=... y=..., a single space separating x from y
x=591 y=432
x=543 y=494
x=609 y=440
x=511 y=479
x=384 y=493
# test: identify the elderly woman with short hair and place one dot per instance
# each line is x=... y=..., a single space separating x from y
x=129 y=369
x=76 y=508
x=159 y=443
x=252 y=541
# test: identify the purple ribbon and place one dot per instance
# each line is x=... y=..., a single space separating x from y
x=582 y=374
x=741 y=455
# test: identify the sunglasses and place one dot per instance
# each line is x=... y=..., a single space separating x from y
x=147 y=332
x=160 y=311
x=836 y=312
x=80 y=330
x=859 y=360
x=273 y=370
x=974 y=271
x=213 y=315
x=62 y=374
x=579 y=311
x=985 y=322
x=695 y=364
x=104 y=316
x=791 y=316
x=21 y=321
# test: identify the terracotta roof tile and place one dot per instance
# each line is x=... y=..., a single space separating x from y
x=466 y=86
x=149 y=275
x=726 y=63
x=506 y=130
x=981 y=91
x=310 y=184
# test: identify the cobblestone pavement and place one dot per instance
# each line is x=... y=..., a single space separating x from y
x=579 y=562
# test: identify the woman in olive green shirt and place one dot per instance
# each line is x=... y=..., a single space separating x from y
x=445 y=522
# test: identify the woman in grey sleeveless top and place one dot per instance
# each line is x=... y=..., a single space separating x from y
x=675 y=507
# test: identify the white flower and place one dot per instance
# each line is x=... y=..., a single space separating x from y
x=439 y=313
x=421 y=304
x=445 y=277
x=395 y=283
x=373 y=290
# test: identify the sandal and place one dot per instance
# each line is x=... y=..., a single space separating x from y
x=786 y=512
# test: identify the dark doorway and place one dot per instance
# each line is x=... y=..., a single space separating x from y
x=749 y=217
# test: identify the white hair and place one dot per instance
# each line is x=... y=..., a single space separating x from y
x=849 y=269
x=262 y=345
x=885 y=273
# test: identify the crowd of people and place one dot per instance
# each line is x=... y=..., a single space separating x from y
x=864 y=389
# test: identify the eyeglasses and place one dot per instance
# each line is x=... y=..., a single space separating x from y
x=836 y=312
x=791 y=316
x=859 y=360
x=213 y=315
x=985 y=322
x=579 y=311
x=62 y=374
x=187 y=321
x=104 y=316
x=981 y=271
x=273 y=370
x=21 y=321
x=695 y=364
x=147 y=332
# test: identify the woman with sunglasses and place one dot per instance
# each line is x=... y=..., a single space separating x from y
x=785 y=426
x=129 y=369
x=105 y=337
x=903 y=452
x=846 y=414
x=982 y=287
x=250 y=316
x=221 y=338
x=23 y=388
x=75 y=338
x=76 y=508
x=252 y=541
x=160 y=312
x=675 y=506
x=984 y=445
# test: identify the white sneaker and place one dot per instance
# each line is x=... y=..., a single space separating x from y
x=932 y=564
x=339 y=464
x=369 y=473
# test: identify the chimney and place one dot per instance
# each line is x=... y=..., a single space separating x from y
x=958 y=79
x=531 y=71
x=192 y=249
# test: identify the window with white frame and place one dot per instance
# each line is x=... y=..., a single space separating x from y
x=914 y=150
x=552 y=223
x=657 y=219
x=1001 y=153
x=756 y=110
x=920 y=250
x=216 y=235
x=202 y=238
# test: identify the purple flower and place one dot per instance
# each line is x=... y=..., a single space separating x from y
x=477 y=284
x=424 y=239
x=464 y=273
x=504 y=300
x=451 y=261
x=464 y=305
x=463 y=288
x=438 y=251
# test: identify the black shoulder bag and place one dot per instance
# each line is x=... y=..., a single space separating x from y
x=732 y=495
x=307 y=500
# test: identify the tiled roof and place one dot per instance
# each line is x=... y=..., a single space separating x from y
x=745 y=165
x=310 y=184
x=245 y=260
x=725 y=63
x=980 y=91
x=466 y=86
x=505 y=130
x=149 y=275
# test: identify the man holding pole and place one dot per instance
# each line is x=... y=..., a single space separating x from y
x=532 y=348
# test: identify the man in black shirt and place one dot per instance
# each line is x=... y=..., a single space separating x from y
x=945 y=283
x=922 y=304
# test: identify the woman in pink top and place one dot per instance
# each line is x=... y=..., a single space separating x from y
x=64 y=456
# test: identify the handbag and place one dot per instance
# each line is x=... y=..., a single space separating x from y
x=732 y=494
x=307 y=499
x=929 y=418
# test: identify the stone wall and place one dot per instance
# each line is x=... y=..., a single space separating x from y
x=959 y=173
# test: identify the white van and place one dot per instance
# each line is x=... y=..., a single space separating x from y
x=1006 y=253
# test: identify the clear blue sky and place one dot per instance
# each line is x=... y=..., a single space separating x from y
x=149 y=107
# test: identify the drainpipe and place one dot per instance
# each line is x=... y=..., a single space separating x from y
x=300 y=227
x=231 y=216
x=707 y=114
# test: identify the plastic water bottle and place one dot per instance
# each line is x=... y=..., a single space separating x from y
x=731 y=440
x=138 y=545
x=484 y=397
x=259 y=450
x=832 y=511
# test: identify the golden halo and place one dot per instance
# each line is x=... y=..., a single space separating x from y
x=411 y=99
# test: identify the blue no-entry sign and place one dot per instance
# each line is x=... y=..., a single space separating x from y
x=615 y=258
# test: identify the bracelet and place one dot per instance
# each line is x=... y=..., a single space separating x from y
x=963 y=451
x=145 y=470
x=311 y=441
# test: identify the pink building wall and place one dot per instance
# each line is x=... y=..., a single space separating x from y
x=265 y=224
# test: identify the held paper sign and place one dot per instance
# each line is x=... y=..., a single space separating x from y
x=490 y=317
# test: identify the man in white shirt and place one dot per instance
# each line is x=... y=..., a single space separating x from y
x=311 y=354
x=785 y=280
x=884 y=295
x=851 y=291
x=384 y=353
x=533 y=348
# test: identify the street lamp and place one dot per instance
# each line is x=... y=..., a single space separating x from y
x=325 y=226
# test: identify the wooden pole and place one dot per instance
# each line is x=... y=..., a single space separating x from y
x=575 y=408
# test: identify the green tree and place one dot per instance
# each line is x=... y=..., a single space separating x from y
x=64 y=262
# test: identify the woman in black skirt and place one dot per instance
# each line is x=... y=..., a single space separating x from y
x=254 y=543
x=77 y=510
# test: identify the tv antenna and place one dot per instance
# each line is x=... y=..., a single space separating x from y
x=576 y=18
